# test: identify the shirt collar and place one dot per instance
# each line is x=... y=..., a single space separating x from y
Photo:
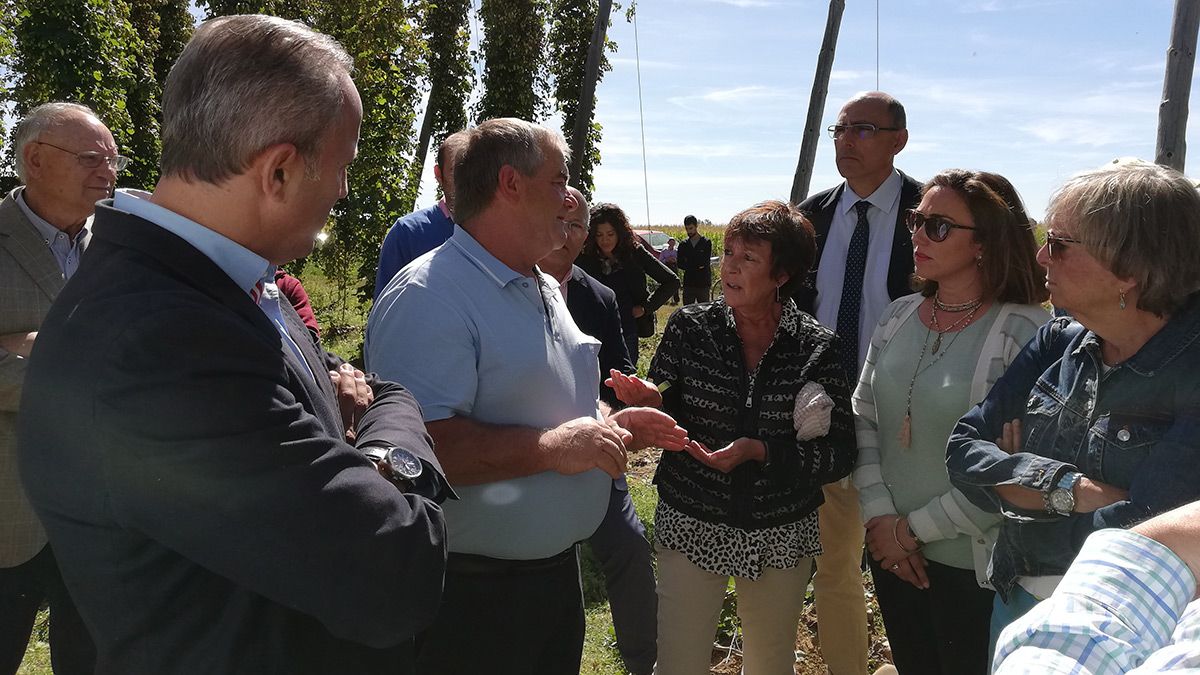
x=47 y=231
x=245 y=267
x=885 y=197
x=497 y=271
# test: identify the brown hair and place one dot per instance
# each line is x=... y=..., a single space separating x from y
x=790 y=235
x=1009 y=271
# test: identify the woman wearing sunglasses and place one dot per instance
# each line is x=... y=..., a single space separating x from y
x=1097 y=422
x=933 y=355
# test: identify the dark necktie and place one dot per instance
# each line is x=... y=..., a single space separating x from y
x=852 y=290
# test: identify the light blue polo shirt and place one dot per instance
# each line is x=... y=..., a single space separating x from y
x=471 y=337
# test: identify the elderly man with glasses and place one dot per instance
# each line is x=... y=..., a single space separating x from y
x=67 y=160
x=864 y=259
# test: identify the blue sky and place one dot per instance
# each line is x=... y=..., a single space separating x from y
x=1033 y=89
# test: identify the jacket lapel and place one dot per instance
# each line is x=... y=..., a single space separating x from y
x=19 y=237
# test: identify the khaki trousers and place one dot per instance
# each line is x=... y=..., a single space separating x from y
x=689 y=605
x=838 y=583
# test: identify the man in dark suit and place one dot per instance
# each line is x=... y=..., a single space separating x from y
x=182 y=436
x=620 y=542
x=864 y=260
x=67 y=160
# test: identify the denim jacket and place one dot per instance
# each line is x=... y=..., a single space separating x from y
x=1136 y=427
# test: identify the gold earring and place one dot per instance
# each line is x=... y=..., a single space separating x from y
x=1122 y=294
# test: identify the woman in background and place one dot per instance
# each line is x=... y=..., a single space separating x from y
x=614 y=257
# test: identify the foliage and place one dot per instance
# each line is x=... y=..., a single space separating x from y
x=570 y=39
x=450 y=73
x=85 y=51
x=388 y=57
x=513 y=46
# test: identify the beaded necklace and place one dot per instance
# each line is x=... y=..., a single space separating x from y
x=905 y=435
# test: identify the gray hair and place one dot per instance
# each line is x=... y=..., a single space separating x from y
x=584 y=208
x=1141 y=221
x=41 y=118
x=243 y=84
x=492 y=145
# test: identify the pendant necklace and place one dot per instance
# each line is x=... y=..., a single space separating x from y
x=905 y=435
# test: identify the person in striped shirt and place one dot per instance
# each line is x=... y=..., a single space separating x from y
x=1126 y=605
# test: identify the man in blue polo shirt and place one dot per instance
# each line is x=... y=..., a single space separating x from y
x=508 y=386
x=422 y=231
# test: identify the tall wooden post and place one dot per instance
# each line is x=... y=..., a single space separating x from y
x=816 y=102
x=1177 y=86
x=587 y=94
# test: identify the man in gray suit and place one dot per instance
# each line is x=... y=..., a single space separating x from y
x=67 y=160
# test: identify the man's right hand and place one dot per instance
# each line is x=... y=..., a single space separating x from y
x=586 y=443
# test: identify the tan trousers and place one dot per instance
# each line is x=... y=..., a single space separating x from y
x=689 y=605
x=838 y=583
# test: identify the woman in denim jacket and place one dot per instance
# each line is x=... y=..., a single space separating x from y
x=1096 y=423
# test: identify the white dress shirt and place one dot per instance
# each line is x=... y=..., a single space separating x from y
x=831 y=270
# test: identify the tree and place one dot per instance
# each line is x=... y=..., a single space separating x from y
x=577 y=41
x=82 y=51
x=514 y=72
x=450 y=78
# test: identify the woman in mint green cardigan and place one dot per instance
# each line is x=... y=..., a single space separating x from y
x=934 y=355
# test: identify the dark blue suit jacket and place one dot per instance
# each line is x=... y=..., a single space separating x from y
x=195 y=482
x=819 y=209
x=594 y=308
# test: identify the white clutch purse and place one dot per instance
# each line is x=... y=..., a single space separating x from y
x=812 y=414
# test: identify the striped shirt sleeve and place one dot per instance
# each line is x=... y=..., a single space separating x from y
x=1123 y=607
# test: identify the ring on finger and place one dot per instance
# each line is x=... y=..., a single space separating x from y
x=896 y=566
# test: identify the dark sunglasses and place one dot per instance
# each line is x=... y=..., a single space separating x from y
x=1056 y=246
x=937 y=229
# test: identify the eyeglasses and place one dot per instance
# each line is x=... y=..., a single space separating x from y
x=859 y=132
x=937 y=229
x=93 y=160
x=1056 y=245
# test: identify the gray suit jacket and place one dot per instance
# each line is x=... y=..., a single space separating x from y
x=30 y=279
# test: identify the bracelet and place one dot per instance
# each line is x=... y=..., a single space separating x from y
x=896 y=536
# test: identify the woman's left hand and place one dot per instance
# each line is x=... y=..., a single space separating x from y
x=650 y=428
x=637 y=311
x=727 y=458
x=882 y=534
x=633 y=390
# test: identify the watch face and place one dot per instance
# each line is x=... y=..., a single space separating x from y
x=1062 y=501
x=405 y=463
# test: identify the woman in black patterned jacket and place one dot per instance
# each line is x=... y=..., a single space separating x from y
x=758 y=385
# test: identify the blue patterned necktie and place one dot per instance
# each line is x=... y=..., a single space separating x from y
x=852 y=290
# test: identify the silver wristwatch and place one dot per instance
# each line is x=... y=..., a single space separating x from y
x=1060 y=500
x=398 y=465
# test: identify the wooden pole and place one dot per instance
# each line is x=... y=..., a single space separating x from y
x=1177 y=86
x=587 y=94
x=816 y=102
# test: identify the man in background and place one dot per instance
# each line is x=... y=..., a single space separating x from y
x=864 y=260
x=67 y=160
x=695 y=259
x=620 y=542
x=422 y=231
